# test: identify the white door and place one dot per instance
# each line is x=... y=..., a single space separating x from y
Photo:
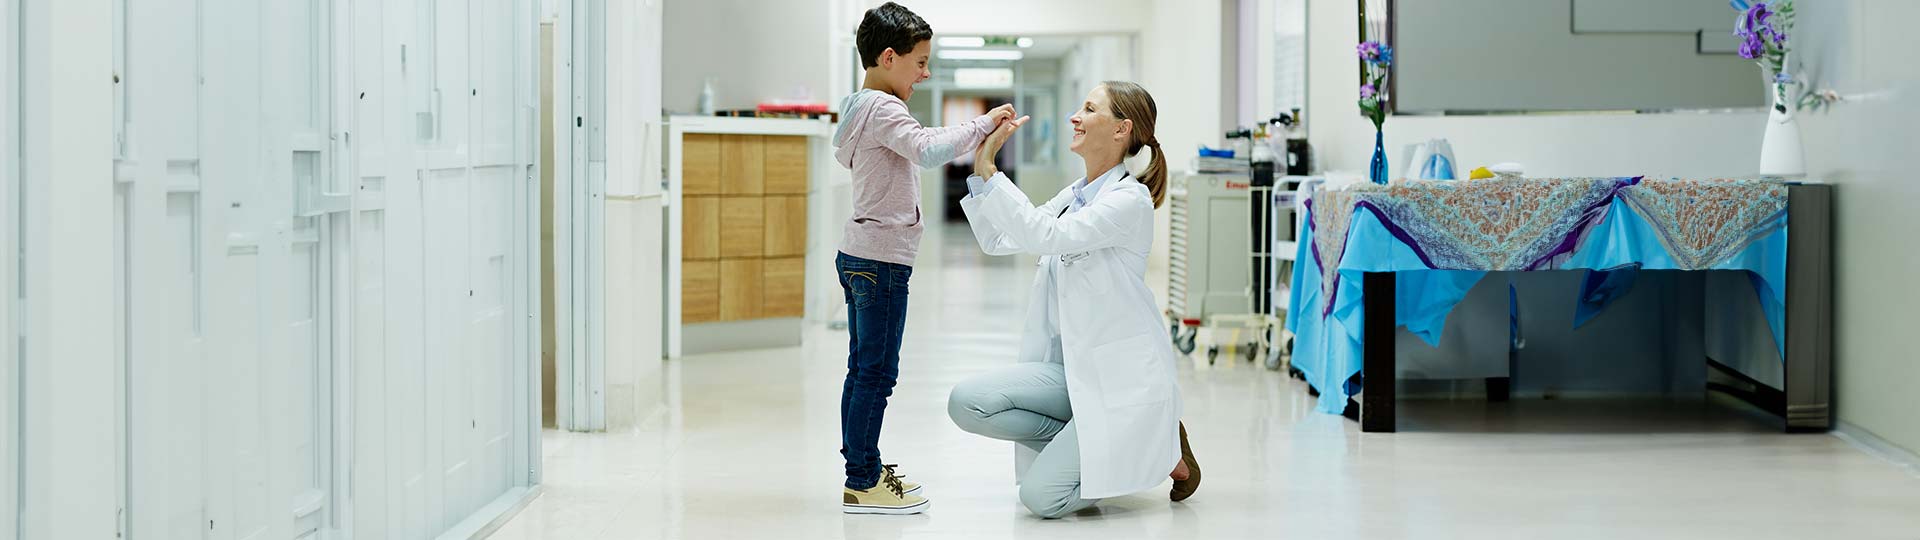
x=380 y=325
x=162 y=258
x=315 y=211
x=227 y=202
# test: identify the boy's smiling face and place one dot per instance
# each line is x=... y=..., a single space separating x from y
x=902 y=71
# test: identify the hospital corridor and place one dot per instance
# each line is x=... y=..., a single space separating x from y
x=740 y=452
x=957 y=269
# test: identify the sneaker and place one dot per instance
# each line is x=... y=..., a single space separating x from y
x=887 y=497
x=909 y=488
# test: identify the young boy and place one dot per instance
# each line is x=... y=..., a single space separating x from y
x=886 y=148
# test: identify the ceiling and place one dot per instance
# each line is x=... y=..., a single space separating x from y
x=1044 y=47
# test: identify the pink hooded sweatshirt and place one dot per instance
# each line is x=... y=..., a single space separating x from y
x=886 y=148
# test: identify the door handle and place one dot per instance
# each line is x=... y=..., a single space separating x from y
x=323 y=203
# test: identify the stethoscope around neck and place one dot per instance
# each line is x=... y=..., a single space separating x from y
x=1124 y=174
x=1064 y=260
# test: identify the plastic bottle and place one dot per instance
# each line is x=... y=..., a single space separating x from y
x=706 y=98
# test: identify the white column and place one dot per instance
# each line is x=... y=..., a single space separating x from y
x=635 y=304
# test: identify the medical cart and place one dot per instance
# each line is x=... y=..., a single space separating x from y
x=1219 y=274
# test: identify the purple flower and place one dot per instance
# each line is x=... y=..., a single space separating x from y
x=1752 y=47
x=1757 y=15
x=1369 y=50
x=1367 y=91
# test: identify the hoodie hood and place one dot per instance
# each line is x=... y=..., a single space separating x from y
x=855 y=109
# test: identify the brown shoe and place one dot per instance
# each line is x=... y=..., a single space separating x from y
x=1185 y=488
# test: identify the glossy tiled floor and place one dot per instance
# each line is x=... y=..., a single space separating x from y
x=749 y=450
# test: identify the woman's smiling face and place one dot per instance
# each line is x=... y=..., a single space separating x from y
x=1095 y=130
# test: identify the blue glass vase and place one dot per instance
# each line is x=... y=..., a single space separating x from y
x=1378 y=171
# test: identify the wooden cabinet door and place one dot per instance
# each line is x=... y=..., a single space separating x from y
x=700 y=164
x=742 y=165
x=700 y=228
x=786 y=226
x=784 y=287
x=742 y=227
x=700 y=291
x=786 y=165
x=740 y=289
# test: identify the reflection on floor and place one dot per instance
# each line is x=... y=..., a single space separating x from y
x=749 y=447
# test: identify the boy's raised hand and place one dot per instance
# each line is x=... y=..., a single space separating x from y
x=1001 y=114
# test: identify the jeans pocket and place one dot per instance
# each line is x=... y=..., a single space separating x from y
x=862 y=287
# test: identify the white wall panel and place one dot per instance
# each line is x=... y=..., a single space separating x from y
x=493 y=28
x=68 y=480
x=291 y=352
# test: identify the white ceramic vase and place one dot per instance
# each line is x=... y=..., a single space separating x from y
x=1780 y=151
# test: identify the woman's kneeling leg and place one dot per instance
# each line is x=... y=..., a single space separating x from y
x=1051 y=487
x=1020 y=402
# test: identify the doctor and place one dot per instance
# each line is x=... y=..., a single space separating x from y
x=1093 y=405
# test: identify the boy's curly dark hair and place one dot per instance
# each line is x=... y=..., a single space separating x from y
x=890 y=26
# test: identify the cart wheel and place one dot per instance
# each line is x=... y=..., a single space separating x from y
x=1253 y=352
x=1184 y=341
x=1213 y=354
x=1273 y=360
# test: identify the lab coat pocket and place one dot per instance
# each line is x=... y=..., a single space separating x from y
x=1127 y=371
x=1089 y=270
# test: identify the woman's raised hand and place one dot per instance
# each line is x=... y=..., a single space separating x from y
x=989 y=147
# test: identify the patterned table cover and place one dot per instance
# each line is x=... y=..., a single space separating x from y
x=1465 y=228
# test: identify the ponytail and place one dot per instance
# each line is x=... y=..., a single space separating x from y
x=1156 y=175
x=1131 y=102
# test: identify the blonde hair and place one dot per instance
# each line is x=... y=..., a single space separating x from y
x=1131 y=102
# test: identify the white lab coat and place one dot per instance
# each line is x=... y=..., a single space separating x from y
x=1109 y=333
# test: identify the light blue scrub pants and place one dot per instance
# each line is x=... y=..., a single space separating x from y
x=1027 y=403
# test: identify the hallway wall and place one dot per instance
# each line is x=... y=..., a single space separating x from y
x=1675 y=144
x=277 y=267
x=753 y=50
x=1864 y=48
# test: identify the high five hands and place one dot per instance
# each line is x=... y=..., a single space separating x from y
x=1004 y=126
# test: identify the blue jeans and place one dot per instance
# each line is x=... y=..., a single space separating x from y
x=876 y=318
